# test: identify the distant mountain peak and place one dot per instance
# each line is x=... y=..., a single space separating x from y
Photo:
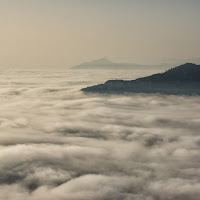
x=101 y=61
x=104 y=63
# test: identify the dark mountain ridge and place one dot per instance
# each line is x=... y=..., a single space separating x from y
x=182 y=73
x=184 y=79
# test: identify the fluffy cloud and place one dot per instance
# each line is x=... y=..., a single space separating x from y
x=58 y=143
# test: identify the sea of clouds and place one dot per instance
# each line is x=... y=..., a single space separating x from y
x=57 y=143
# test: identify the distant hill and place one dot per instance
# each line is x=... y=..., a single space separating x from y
x=184 y=79
x=104 y=63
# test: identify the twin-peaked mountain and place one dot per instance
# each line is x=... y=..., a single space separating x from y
x=184 y=79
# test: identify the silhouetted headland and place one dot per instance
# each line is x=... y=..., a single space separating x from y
x=184 y=79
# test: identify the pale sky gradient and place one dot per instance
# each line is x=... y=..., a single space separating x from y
x=68 y=32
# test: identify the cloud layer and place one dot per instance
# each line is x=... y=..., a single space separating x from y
x=57 y=143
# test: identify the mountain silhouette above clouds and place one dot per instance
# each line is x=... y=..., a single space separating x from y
x=104 y=63
x=183 y=79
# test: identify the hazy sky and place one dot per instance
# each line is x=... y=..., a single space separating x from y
x=67 y=32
